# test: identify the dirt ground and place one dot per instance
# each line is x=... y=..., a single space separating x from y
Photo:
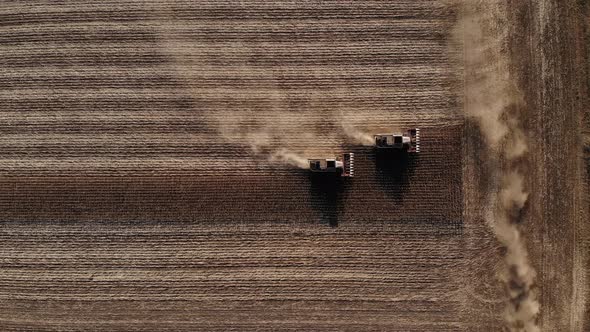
x=548 y=42
x=553 y=70
x=131 y=196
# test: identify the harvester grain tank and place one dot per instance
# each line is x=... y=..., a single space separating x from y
x=342 y=165
x=408 y=140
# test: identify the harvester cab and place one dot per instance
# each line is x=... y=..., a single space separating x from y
x=342 y=165
x=409 y=141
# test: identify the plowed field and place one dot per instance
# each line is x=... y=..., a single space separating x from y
x=134 y=196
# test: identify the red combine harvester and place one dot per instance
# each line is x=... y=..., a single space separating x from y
x=343 y=165
x=409 y=141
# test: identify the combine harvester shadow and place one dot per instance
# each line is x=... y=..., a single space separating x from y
x=393 y=170
x=327 y=194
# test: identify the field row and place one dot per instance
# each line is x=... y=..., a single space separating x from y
x=116 y=11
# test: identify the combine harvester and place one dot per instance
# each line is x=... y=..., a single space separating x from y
x=408 y=141
x=342 y=165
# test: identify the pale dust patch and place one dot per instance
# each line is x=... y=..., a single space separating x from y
x=493 y=99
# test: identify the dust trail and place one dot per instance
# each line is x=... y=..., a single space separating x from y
x=261 y=122
x=357 y=135
x=494 y=100
x=283 y=155
x=358 y=132
x=278 y=136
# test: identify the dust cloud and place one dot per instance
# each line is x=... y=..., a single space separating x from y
x=357 y=131
x=493 y=99
x=258 y=120
x=275 y=137
x=357 y=135
x=283 y=155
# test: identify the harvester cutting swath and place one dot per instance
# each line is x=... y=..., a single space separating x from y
x=408 y=141
x=342 y=165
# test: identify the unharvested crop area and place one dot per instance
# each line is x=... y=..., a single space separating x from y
x=148 y=175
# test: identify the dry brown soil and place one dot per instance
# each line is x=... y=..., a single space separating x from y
x=122 y=207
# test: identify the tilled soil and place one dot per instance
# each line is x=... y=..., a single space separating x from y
x=130 y=198
x=127 y=209
x=549 y=60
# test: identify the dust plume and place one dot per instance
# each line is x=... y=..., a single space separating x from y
x=283 y=155
x=260 y=120
x=277 y=136
x=357 y=131
x=263 y=143
x=357 y=135
x=493 y=99
x=267 y=137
